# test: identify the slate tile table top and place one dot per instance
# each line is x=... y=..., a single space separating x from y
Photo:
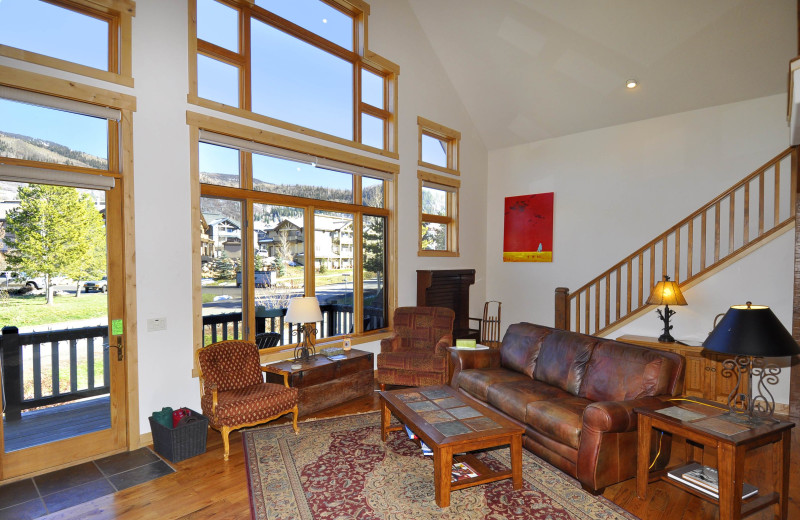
x=450 y=423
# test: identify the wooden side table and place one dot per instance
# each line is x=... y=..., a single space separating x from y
x=732 y=442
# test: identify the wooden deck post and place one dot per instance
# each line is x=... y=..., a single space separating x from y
x=12 y=373
x=562 y=308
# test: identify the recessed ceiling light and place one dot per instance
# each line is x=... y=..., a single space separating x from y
x=324 y=20
x=632 y=83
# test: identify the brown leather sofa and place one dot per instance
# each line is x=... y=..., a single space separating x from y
x=574 y=395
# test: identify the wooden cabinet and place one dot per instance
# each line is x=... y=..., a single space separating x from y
x=704 y=371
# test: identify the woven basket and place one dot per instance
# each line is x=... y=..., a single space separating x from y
x=177 y=444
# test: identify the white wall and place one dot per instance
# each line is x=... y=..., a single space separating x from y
x=618 y=187
x=163 y=205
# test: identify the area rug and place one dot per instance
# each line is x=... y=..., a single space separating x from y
x=340 y=469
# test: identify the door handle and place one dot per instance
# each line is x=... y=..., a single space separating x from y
x=119 y=346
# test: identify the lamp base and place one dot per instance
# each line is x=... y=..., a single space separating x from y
x=666 y=338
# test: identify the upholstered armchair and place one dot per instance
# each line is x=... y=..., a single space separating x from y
x=234 y=392
x=416 y=353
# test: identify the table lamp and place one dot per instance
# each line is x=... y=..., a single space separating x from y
x=666 y=293
x=751 y=333
x=305 y=311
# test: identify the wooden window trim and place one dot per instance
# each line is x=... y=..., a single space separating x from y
x=453 y=187
x=360 y=58
x=197 y=121
x=442 y=133
x=118 y=14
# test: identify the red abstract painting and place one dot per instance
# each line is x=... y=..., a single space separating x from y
x=528 y=232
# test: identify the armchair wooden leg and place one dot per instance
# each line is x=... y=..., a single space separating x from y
x=225 y=431
x=294 y=419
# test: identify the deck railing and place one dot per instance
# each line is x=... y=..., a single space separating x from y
x=752 y=211
x=336 y=320
x=29 y=356
x=58 y=366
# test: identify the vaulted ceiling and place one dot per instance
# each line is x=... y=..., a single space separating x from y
x=528 y=70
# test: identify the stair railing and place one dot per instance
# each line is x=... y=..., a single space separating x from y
x=749 y=214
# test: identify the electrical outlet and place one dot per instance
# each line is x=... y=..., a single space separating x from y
x=156 y=324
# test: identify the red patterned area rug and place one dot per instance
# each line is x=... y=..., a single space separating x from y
x=340 y=469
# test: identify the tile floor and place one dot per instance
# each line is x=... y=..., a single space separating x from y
x=44 y=494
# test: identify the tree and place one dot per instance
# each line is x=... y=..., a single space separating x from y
x=55 y=231
x=374 y=245
x=282 y=252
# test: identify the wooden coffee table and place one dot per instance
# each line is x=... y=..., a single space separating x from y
x=450 y=423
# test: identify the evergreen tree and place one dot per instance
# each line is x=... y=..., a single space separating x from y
x=55 y=231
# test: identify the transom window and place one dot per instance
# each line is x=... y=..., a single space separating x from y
x=438 y=146
x=298 y=64
x=80 y=36
x=38 y=130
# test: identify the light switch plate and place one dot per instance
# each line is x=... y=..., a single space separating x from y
x=156 y=324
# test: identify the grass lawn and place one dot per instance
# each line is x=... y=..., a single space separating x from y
x=29 y=310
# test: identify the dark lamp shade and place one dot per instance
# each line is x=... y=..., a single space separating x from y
x=666 y=293
x=751 y=330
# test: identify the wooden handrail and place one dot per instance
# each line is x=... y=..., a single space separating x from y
x=744 y=217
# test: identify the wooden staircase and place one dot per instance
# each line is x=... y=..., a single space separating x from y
x=748 y=215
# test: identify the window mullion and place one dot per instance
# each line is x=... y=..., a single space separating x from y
x=245 y=89
x=358 y=273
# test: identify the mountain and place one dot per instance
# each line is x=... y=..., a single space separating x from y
x=29 y=148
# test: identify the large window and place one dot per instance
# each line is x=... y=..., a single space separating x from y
x=278 y=223
x=298 y=64
x=89 y=37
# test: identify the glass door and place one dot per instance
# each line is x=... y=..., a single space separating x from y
x=63 y=340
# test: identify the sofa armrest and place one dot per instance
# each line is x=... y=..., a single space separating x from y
x=617 y=416
x=390 y=344
x=466 y=359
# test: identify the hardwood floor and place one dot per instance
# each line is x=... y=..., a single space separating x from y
x=205 y=487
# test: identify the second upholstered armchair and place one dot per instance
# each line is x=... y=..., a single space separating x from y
x=416 y=353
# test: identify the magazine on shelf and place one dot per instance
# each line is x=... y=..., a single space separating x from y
x=705 y=479
x=426 y=450
x=462 y=471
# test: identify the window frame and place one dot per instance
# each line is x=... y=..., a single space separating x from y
x=451 y=187
x=118 y=14
x=200 y=122
x=360 y=57
x=442 y=133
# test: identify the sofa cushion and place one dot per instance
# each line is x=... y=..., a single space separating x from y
x=621 y=372
x=513 y=397
x=521 y=345
x=559 y=419
x=563 y=358
x=476 y=382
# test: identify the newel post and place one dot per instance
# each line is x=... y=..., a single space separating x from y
x=12 y=373
x=562 y=308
